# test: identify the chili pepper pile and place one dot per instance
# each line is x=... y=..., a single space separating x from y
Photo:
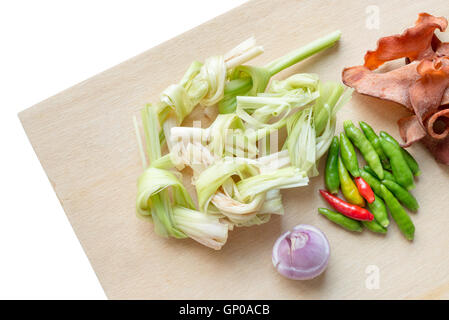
x=384 y=182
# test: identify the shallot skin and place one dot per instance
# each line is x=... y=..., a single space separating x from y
x=301 y=254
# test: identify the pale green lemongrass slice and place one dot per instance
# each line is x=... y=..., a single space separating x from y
x=258 y=219
x=193 y=155
x=273 y=203
x=235 y=210
x=139 y=143
x=210 y=180
x=300 y=141
x=242 y=53
x=303 y=81
x=153 y=199
x=203 y=228
x=255 y=79
x=203 y=83
x=288 y=177
x=268 y=163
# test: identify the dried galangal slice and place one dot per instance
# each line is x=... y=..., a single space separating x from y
x=421 y=84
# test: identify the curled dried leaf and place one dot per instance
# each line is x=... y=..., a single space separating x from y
x=427 y=92
x=392 y=86
x=414 y=43
x=410 y=130
x=421 y=85
x=438 y=124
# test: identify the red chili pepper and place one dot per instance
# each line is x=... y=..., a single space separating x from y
x=347 y=209
x=364 y=189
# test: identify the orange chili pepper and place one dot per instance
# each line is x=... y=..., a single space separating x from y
x=364 y=189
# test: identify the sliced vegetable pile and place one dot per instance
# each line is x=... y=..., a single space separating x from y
x=237 y=175
x=385 y=182
x=421 y=84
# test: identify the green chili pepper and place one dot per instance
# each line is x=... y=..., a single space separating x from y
x=398 y=213
x=348 y=187
x=401 y=170
x=372 y=180
x=375 y=142
x=374 y=226
x=369 y=170
x=411 y=162
x=349 y=156
x=387 y=174
x=379 y=211
x=331 y=173
x=404 y=196
x=338 y=218
x=366 y=149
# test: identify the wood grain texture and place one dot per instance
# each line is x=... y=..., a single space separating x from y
x=85 y=141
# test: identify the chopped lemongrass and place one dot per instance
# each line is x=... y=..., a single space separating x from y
x=310 y=131
x=256 y=79
x=154 y=199
x=283 y=96
x=280 y=179
x=202 y=84
x=237 y=170
x=211 y=179
x=304 y=52
x=241 y=54
x=206 y=229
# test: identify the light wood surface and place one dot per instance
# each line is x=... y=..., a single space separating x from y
x=85 y=141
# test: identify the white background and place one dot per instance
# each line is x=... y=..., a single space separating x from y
x=46 y=47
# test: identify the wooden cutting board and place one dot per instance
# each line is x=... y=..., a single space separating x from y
x=85 y=140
